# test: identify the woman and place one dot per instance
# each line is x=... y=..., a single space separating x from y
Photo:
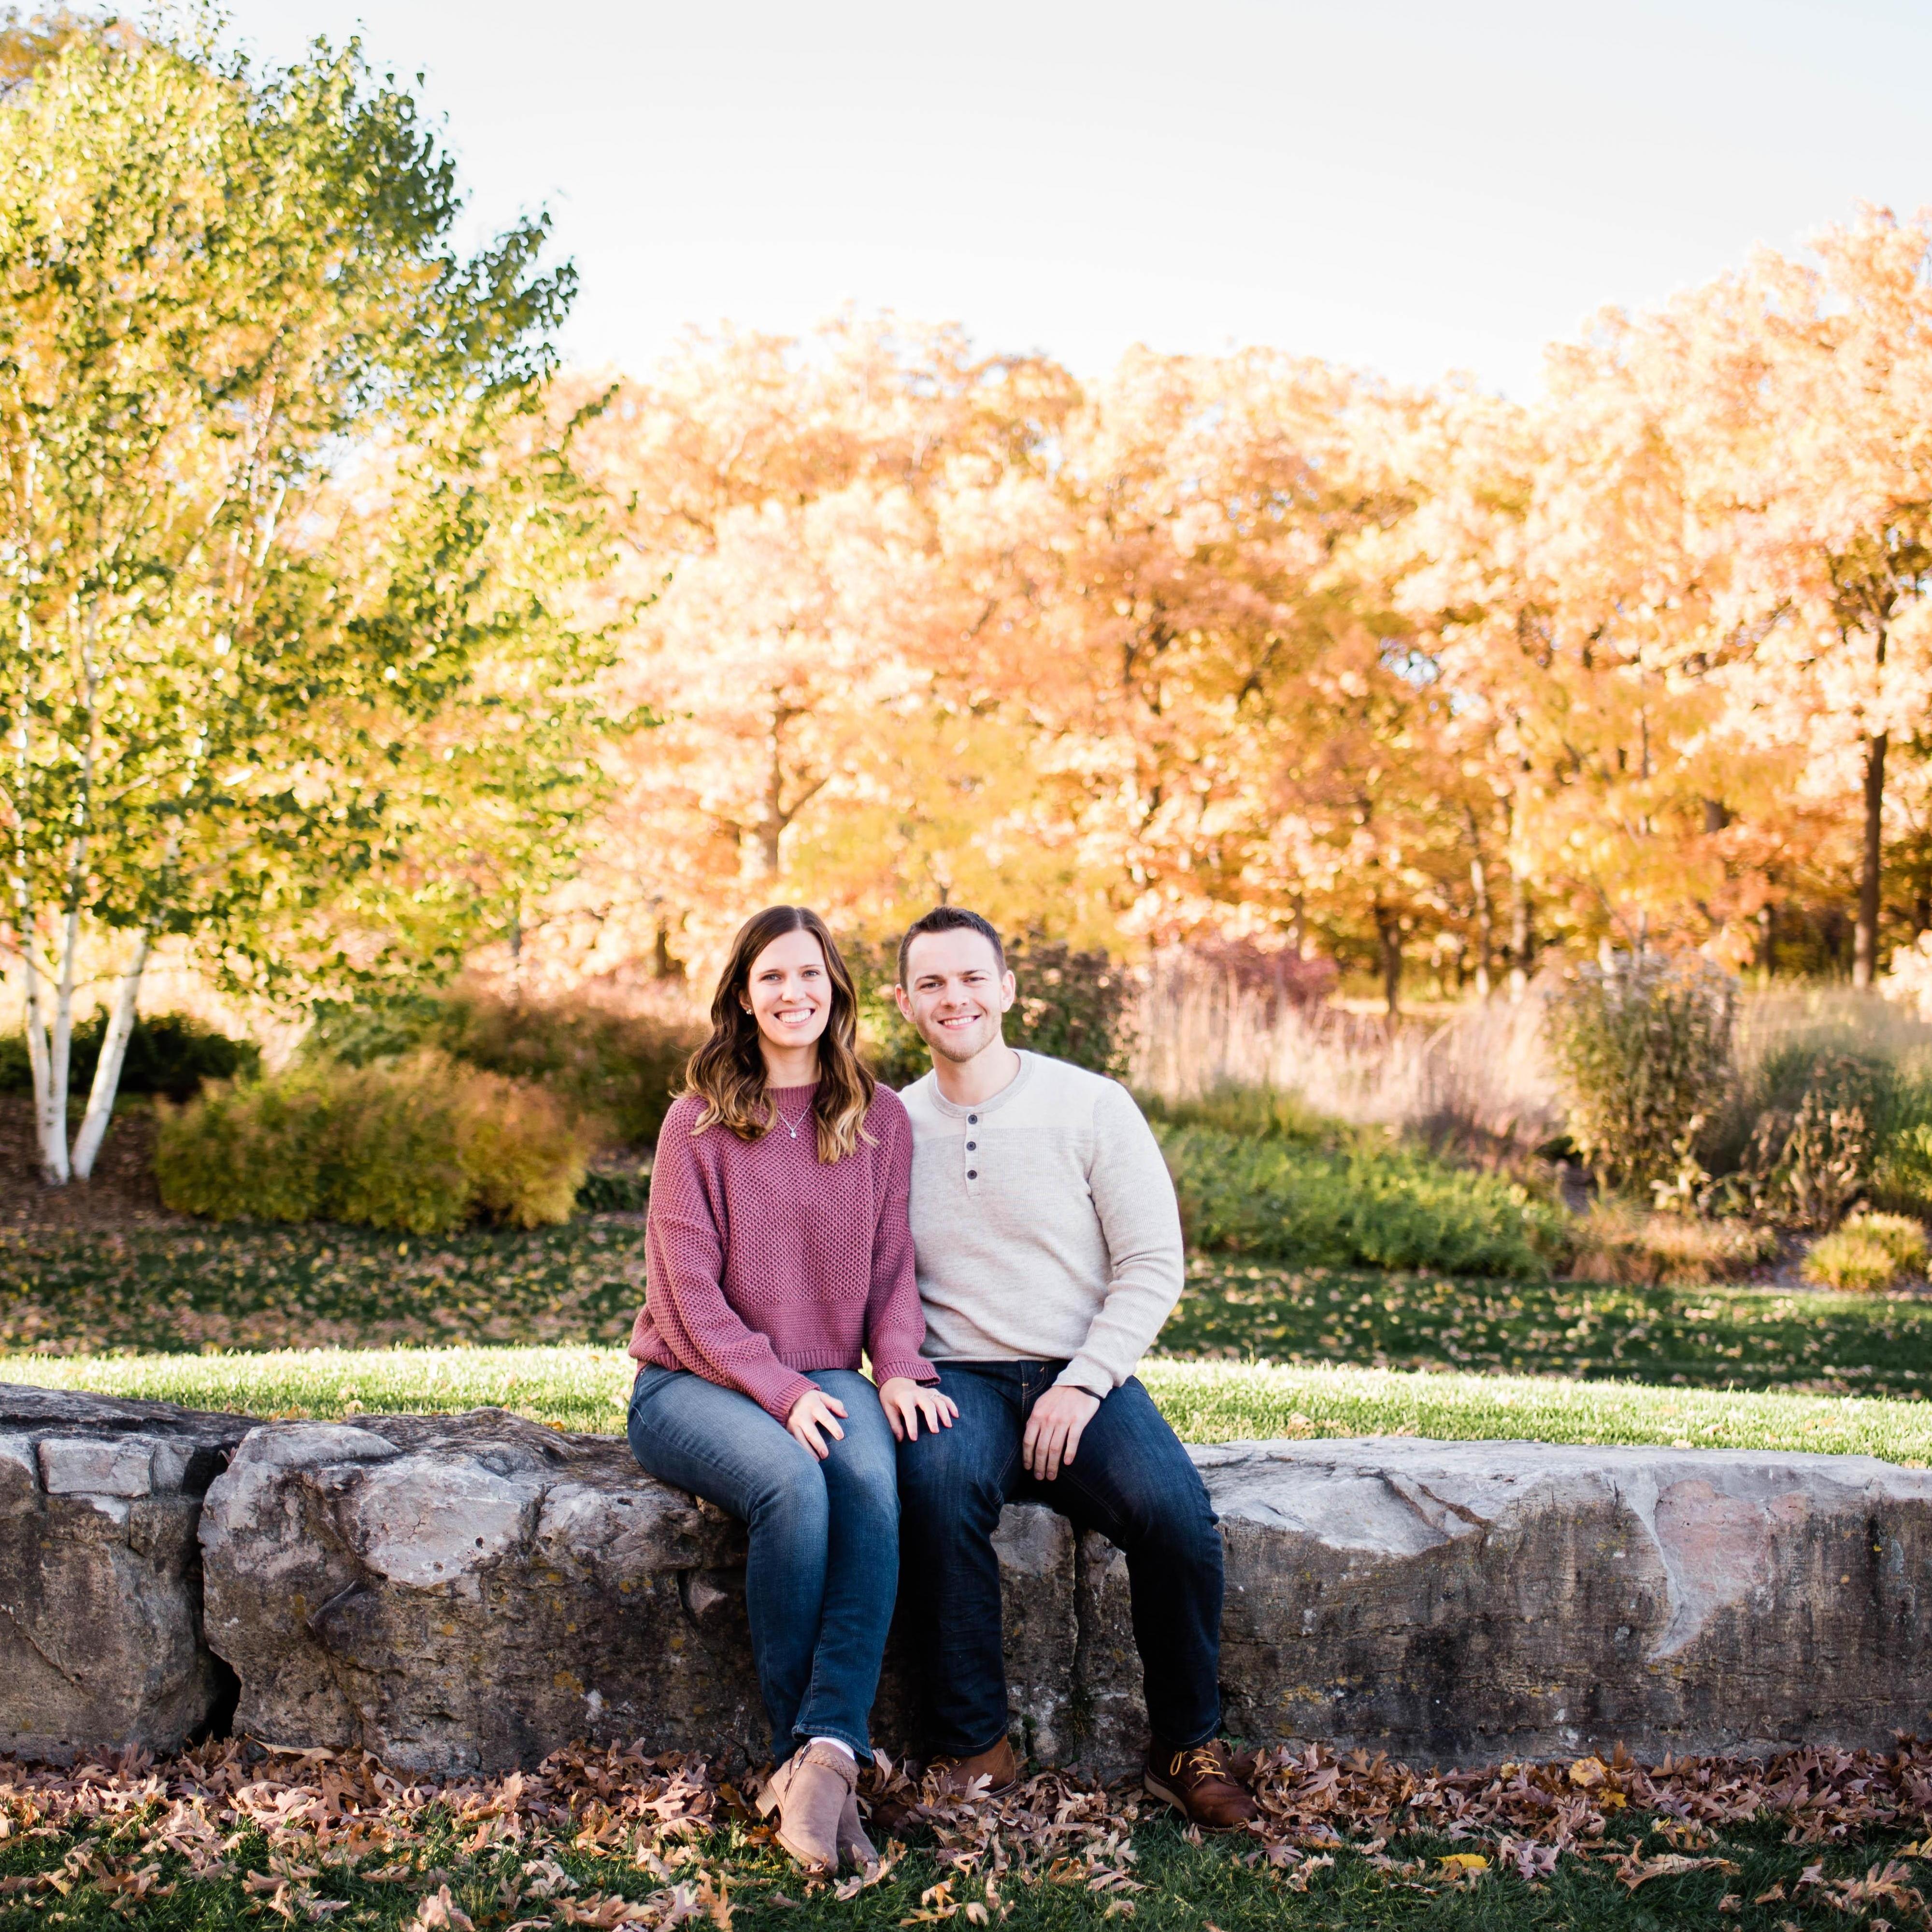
x=777 y=1250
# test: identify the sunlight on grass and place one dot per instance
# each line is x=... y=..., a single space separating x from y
x=585 y=1388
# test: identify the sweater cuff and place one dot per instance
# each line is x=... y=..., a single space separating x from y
x=1084 y=1372
x=778 y=1397
x=915 y=1368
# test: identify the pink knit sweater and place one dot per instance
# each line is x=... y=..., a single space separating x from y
x=763 y=1262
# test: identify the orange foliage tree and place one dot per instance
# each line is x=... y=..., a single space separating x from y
x=1251 y=645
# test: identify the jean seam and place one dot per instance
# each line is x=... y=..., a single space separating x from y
x=1087 y=1495
x=1003 y=1483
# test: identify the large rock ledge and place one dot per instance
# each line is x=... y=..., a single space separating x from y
x=100 y=1618
x=472 y=1591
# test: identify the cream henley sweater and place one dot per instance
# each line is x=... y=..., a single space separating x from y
x=1044 y=1224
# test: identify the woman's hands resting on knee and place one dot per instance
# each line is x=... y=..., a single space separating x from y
x=814 y=1410
x=905 y=1401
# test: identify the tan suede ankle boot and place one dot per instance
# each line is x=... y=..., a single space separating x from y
x=853 y=1842
x=810 y=1792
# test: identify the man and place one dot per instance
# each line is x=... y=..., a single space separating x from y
x=1048 y=1247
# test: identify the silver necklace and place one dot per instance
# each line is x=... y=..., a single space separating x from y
x=789 y=1128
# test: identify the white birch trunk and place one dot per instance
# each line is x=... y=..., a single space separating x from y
x=49 y=1115
x=61 y=1170
x=107 y=1073
x=50 y=1123
x=54 y=1148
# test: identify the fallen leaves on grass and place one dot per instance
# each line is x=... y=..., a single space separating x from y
x=622 y=1838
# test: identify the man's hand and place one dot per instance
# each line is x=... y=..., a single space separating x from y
x=1053 y=1429
x=814 y=1411
x=905 y=1401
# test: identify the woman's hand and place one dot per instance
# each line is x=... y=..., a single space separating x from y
x=813 y=1411
x=905 y=1401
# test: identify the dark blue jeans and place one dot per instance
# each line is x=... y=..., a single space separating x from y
x=823 y=1562
x=1132 y=1480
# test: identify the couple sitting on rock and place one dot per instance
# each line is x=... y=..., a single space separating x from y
x=1001 y=1242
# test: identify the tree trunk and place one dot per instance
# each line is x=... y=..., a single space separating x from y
x=1522 y=934
x=663 y=966
x=49 y=1128
x=60 y=1170
x=1865 y=937
x=1388 y=932
x=1486 y=923
x=54 y=1150
x=107 y=1071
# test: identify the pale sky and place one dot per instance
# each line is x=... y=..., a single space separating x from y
x=1413 y=188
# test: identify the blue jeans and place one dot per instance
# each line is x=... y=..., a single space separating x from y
x=823 y=1564
x=1132 y=1480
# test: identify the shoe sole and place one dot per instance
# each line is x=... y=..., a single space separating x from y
x=1155 y=1788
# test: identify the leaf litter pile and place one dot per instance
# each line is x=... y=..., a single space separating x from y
x=621 y=1838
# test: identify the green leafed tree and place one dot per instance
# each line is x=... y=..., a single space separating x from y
x=296 y=661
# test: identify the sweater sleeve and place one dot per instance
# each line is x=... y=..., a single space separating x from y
x=685 y=1251
x=1133 y=1194
x=894 y=1325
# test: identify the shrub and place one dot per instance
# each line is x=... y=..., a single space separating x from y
x=355 y=1033
x=524 y=1160
x=1260 y=1113
x=1360 y=1206
x=1900 y=1236
x=1902 y=1173
x=419 y=1145
x=393 y=1155
x=1617 y=1244
x=168 y=1054
x=1851 y=1258
x=620 y=1068
x=1073 y=1005
x=1643 y=1052
x=615 y=1071
x=249 y=1150
x=1807 y=1167
x=605 y=1192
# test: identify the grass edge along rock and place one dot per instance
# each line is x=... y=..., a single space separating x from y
x=585 y=1388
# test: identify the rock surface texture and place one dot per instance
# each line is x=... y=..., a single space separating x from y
x=100 y=1617
x=474 y=1591
x=1474 y=1601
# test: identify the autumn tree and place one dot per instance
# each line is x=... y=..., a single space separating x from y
x=826 y=532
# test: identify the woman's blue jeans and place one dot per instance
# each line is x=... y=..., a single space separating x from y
x=823 y=1566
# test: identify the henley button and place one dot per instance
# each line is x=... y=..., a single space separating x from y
x=972 y=1174
x=972 y=1146
x=972 y=1120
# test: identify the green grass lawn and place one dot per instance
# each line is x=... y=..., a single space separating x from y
x=162 y=1290
x=1188 y=1888
x=585 y=1388
x=1710 y=1337
x=166 y=1288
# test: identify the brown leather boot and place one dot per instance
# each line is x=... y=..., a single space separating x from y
x=954 y=1777
x=1199 y=1782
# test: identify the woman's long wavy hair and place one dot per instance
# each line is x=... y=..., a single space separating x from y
x=727 y=1072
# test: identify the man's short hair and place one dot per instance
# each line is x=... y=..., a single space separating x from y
x=951 y=919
